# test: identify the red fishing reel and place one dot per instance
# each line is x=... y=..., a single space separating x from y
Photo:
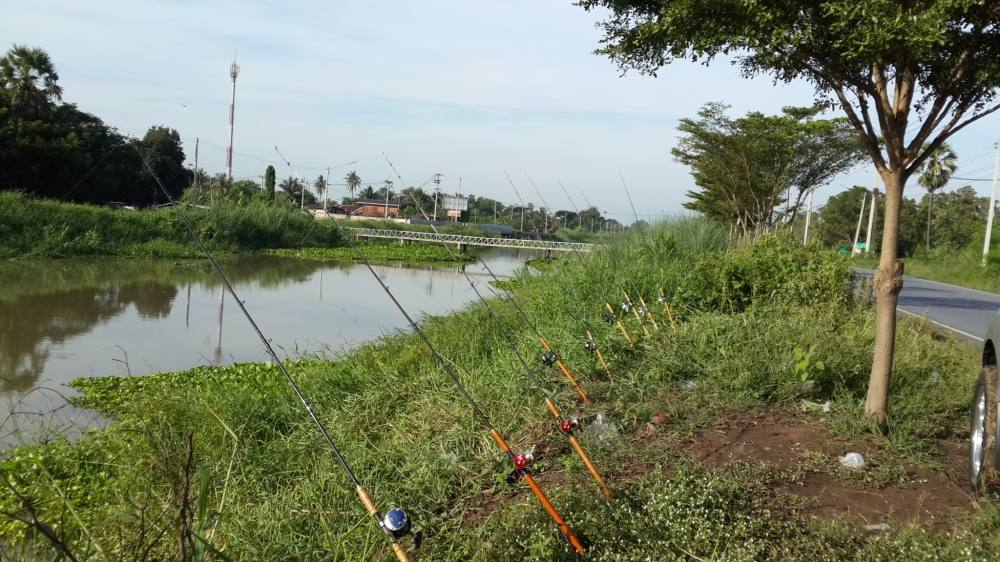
x=568 y=426
x=522 y=466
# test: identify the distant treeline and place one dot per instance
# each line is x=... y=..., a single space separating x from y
x=52 y=149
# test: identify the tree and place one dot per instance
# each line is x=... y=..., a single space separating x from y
x=748 y=167
x=958 y=218
x=319 y=184
x=269 y=178
x=294 y=188
x=369 y=192
x=29 y=78
x=926 y=67
x=161 y=150
x=934 y=174
x=353 y=181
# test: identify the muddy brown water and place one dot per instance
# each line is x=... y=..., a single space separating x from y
x=63 y=319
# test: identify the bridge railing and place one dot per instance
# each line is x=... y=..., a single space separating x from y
x=485 y=241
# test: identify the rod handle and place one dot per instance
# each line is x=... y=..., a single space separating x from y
x=551 y=509
x=367 y=500
x=400 y=553
x=552 y=408
x=590 y=465
x=576 y=385
x=501 y=442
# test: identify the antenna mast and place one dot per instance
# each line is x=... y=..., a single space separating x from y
x=234 y=71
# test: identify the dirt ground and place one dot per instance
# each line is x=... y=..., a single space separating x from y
x=789 y=439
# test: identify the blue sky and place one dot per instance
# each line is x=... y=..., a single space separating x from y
x=468 y=89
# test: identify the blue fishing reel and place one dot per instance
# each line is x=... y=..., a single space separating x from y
x=397 y=523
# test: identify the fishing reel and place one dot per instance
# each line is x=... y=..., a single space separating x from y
x=397 y=524
x=549 y=358
x=661 y=299
x=610 y=318
x=589 y=345
x=522 y=466
x=643 y=311
x=569 y=425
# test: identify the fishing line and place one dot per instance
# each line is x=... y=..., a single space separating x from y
x=567 y=426
x=521 y=461
x=642 y=236
x=396 y=523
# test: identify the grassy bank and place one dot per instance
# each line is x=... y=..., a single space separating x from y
x=264 y=488
x=39 y=228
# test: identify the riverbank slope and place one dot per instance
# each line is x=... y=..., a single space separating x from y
x=714 y=435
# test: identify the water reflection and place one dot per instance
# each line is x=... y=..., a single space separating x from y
x=64 y=319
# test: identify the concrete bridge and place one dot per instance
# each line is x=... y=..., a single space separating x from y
x=463 y=241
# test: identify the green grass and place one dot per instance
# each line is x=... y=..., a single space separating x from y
x=39 y=228
x=272 y=492
x=374 y=251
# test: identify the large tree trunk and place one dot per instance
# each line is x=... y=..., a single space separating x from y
x=888 y=283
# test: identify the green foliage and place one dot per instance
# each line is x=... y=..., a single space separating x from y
x=270 y=491
x=269 y=178
x=374 y=251
x=755 y=170
x=42 y=228
x=777 y=269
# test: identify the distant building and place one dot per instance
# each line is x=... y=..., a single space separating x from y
x=373 y=209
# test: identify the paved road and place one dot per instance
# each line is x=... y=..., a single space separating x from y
x=967 y=312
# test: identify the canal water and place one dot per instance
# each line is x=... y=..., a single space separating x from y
x=64 y=319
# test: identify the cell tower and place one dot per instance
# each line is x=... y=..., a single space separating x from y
x=234 y=71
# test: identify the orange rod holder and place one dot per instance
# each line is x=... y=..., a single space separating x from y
x=666 y=308
x=619 y=324
x=369 y=504
x=636 y=312
x=649 y=313
x=569 y=375
x=579 y=450
x=543 y=499
x=600 y=357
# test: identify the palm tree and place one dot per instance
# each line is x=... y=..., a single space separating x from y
x=353 y=181
x=29 y=77
x=319 y=184
x=935 y=173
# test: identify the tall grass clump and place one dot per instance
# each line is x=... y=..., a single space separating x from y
x=273 y=492
x=39 y=228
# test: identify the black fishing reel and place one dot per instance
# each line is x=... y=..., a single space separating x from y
x=610 y=318
x=549 y=358
x=522 y=466
x=397 y=524
x=589 y=345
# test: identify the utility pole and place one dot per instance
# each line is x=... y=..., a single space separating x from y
x=809 y=213
x=234 y=71
x=388 y=184
x=857 y=231
x=437 y=189
x=993 y=205
x=196 y=141
x=326 y=192
x=871 y=221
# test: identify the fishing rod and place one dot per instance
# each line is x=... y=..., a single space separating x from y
x=627 y=305
x=522 y=461
x=662 y=298
x=566 y=425
x=589 y=343
x=610 y=318
x=396 y=523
